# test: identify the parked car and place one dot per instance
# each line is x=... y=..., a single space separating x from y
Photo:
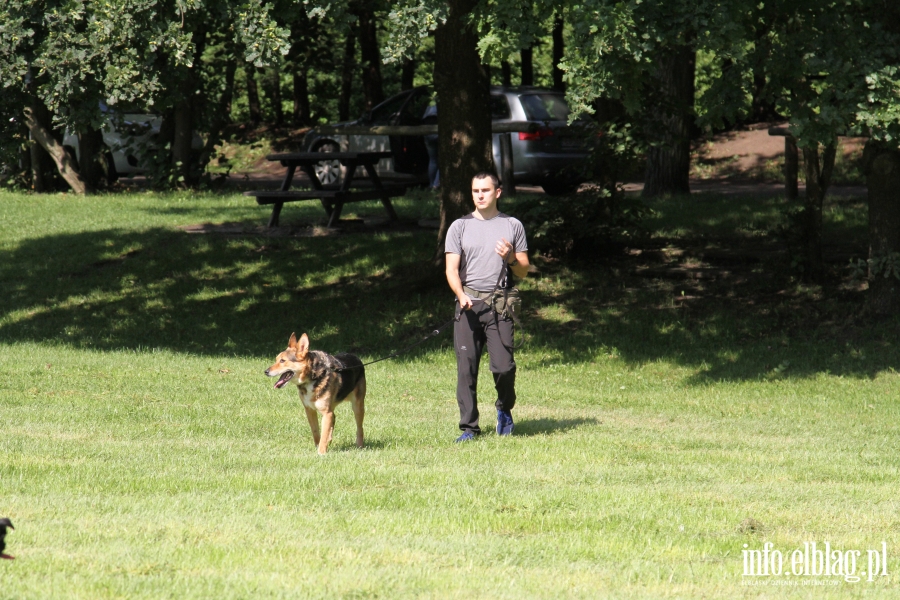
x=125 y=139
x=539 y=158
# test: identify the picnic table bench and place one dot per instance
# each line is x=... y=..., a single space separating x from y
x=332 y=200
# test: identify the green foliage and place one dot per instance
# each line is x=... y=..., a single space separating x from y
x=879 y=113
x=617 y=151
x=612 y=53
x=163 y=174
x=723 y=81
x=792 y=231
x=411 y=21
x=879 y=265
x=578 y=224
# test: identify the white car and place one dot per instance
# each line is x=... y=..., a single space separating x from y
x=124 y=141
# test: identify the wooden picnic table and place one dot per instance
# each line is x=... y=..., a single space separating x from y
x=333 y=200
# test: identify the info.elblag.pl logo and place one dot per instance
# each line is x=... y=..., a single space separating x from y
x=814 y=560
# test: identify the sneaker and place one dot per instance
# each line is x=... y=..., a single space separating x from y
x=465 y=437
x=505 y=423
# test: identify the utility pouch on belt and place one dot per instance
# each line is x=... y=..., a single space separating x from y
x=503 y=302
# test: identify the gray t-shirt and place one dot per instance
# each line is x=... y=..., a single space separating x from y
x=474 y=240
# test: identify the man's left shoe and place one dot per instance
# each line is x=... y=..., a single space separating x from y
x=505 y=423
x=465 y=437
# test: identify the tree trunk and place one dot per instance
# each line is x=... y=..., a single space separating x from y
x=183 y=158
x=373 y=88
x=762 y=109
x=302 y=31
x=40 y=160
x=408 y=74
x=791 y=168
x=506 y=73
x=464 y=126
x=90 y=159
x=669 y=124
x=25 y=156
x=818 y=178
x=558 y=53
x=301 y=115
x=252 y=94
x=527 y=55
x=64 y=162
x=228 y=93
x=881 y=164
x=347 y=77
x=272 y=76
x=183 y=130
x=222 y=116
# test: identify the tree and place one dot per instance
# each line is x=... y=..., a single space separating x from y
x=373 y=88
x=823 y=62
x=88 y=53
x=878 y=113
x=462 y=85
x=668 y=127
x=347 y=68
x=303 y=31
x=559 y=49
x=468 y=35
x=643 y=54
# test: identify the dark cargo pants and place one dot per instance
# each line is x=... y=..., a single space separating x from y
x=479 y=326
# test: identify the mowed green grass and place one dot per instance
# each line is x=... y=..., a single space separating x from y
x=145 y=455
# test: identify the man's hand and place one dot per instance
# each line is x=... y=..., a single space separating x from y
x=504 y=249
x=465 y=303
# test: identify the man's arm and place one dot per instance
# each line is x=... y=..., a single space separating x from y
x=519 y=264
x=520 y=269
x=455 y=282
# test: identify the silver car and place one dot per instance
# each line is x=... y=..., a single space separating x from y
x=541 y=158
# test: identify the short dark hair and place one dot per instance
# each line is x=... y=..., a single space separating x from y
x=488 y=175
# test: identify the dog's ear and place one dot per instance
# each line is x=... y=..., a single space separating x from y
x=292 y=343
x=303 y=346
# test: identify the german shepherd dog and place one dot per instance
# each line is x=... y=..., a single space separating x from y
x=324 y=381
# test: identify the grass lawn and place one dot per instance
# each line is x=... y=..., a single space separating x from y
x=682 y=402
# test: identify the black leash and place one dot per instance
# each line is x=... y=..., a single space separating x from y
x=434 y=333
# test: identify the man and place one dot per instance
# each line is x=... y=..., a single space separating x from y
x=479 y=248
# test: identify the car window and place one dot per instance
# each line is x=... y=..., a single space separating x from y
x=382 y=114
x=545 y=107
x=499 y=107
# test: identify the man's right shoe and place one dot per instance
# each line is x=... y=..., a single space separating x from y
x=465 y=437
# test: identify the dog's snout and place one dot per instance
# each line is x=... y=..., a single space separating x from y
x=266 y=372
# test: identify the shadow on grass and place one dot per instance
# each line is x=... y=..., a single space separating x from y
x=526 y=428
x=215 y=294
x=345 y=445
x=375 y=293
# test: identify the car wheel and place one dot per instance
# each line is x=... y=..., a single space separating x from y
x=109 y=167
x=329 y=172
x=560 y=187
